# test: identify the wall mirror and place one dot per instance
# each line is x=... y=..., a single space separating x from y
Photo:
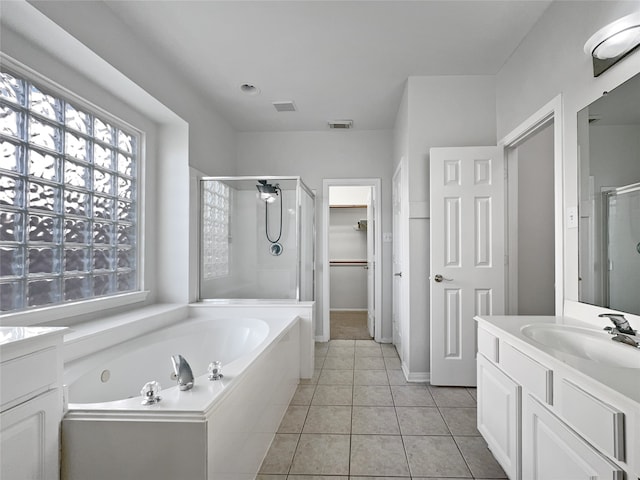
x=609 y=208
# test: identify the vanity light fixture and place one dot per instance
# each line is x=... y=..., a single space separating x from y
x=613 y=42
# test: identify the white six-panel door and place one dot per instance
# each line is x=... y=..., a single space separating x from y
x=371 y=264
x=467 y=255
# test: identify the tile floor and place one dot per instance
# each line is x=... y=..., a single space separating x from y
x=349 y=324
x=358 y=418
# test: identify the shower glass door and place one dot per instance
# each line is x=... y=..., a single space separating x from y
x=256 y=239
x=622 y=207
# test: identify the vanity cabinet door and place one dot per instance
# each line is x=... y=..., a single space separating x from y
x=499 y=415
x=29 y=439
x=552 y=451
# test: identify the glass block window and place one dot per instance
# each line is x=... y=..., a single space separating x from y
x=215 y=229
x=68 y=199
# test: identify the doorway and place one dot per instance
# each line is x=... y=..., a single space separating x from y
x=351 y=259
x=544 y=130
x=531 y=230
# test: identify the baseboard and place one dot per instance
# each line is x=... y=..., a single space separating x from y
x=415 y=377
x=321 y=338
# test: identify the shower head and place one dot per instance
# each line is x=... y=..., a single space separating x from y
x=268 y=192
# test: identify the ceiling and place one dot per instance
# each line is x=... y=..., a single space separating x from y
x=335 y=59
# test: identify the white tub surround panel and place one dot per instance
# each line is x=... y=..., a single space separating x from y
x=30 y=402
x=218 y=429
x=577 y=414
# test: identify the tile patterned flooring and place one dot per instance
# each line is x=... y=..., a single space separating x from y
x=358 y=418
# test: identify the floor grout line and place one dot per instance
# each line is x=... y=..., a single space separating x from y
x=394 y=405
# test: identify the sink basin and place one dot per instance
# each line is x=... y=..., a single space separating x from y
x=585 y=343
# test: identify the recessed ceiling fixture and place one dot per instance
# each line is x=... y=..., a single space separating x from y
x=341 y=124
x=287 y=106
x=613 y=42
x=249 y=89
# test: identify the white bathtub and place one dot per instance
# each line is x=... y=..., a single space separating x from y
x=119 y=373
x=218 y=430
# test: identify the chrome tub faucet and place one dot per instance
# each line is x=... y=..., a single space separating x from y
x=183 y=372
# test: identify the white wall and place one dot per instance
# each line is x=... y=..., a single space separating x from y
x=326 y=154
x=536 y=256
x=440 y=111
x=614 y=154
x=211 y=138
x=349 y=195
x=550 y=61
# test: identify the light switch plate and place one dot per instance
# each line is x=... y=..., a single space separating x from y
x=572 y=217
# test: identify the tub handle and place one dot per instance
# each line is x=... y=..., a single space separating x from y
x=150 y=392
x=215 y=370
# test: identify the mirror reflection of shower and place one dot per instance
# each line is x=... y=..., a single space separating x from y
x=622 y=237
x=269 y=193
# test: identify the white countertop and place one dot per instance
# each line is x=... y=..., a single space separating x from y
x=9 y=335
x=625 y=381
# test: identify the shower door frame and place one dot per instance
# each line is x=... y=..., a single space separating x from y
x=300 y=185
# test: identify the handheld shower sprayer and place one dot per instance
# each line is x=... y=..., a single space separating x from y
x=269 y=193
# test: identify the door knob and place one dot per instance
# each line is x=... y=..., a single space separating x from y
x=439 y=278
x=399 y=274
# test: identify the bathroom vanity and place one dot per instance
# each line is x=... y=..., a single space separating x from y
x=557 y=399
x=30 y=402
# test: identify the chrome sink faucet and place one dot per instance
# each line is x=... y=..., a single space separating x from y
x=622 y=331
x=621 y=323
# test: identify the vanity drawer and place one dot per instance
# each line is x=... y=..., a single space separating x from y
x=488 y=344
x=597 y=421
x=28 y=374
x=533 y=376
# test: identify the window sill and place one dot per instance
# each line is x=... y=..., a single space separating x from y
x=60 y=315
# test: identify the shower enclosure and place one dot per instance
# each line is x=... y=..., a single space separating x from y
x=257 y=238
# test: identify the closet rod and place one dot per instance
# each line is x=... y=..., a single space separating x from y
x=348 y=263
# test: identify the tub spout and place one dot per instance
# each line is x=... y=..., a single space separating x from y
x=183 y=372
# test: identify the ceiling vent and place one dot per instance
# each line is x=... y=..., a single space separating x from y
x=341 y=124
x=288 y=106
